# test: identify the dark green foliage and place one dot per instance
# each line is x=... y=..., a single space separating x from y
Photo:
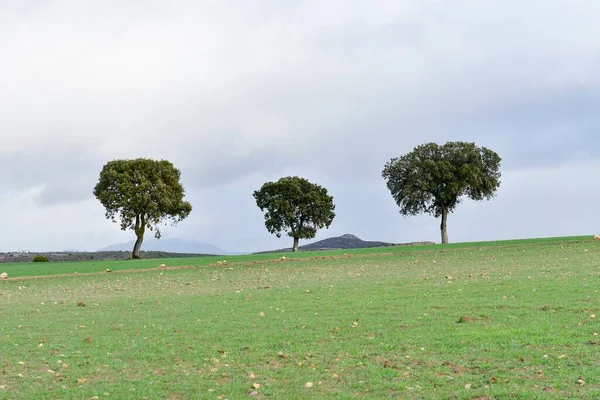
x=296 y=206
x=142 y=193
x=38 y=259
x=434 y=179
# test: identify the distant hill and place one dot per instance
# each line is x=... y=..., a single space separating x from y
x=346 y=241
x=170 y=246
x=61 y=256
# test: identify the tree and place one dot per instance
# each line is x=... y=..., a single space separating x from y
x=296 y=206
x=434 y=179
x=141 y=193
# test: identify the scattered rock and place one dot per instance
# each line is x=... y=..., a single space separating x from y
x=108 y=270
x=82 y=380
x=387 y=364
x=81 y=304
x=283 y=258
x=468 y=386
x=261 y=314
x=88 y=340
x=254 y=393
x=308 y=385
x=162 y=266
x=596 y=237
x=3 y=275
x=256 y=385
x=459 y=369
x=580 y=381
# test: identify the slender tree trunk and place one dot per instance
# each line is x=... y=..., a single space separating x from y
x=138 y=245
x=295 y=248
x=443 y=226
x=140 y=228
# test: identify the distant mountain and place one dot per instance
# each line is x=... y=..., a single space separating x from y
x=346 y=241
x=170 y=246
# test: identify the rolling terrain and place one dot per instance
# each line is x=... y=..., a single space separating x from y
x=487 y=320
x=347 y=241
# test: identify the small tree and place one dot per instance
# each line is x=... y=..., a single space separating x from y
x=296 y=206
x=141 y=193
x=433 y=179
x=40 y=258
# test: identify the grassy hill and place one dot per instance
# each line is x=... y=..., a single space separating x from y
x=491 y=320
x=344 y=242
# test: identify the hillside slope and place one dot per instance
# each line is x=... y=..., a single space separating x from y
x=347 y=241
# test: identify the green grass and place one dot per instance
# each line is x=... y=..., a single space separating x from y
x=57 y=268
x=511 y=319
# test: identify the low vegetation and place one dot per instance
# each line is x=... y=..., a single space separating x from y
x=514 y=319
x=69 y=256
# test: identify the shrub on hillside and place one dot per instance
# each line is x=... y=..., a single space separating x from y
x=40 y=259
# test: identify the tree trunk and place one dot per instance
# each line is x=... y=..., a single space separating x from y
x=443 y=226
x=140 y=228
x=138 y=245
x=295 y=248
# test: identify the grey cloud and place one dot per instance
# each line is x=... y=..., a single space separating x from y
x=63 y=172
x=237 y=93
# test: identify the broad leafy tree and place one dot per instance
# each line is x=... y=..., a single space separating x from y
x=435 y=178
x=296 y=206
x=141 y=194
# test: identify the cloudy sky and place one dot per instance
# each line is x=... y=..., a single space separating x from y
x=237 y=92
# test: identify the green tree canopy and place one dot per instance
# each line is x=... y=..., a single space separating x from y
x=434 y=179
x=296 y=206
x=141 y=193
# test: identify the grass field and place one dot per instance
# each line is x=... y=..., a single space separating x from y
x=495 y=320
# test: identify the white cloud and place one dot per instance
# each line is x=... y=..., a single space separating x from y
x=235 y=93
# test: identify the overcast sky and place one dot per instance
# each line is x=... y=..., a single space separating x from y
x=237 y=92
